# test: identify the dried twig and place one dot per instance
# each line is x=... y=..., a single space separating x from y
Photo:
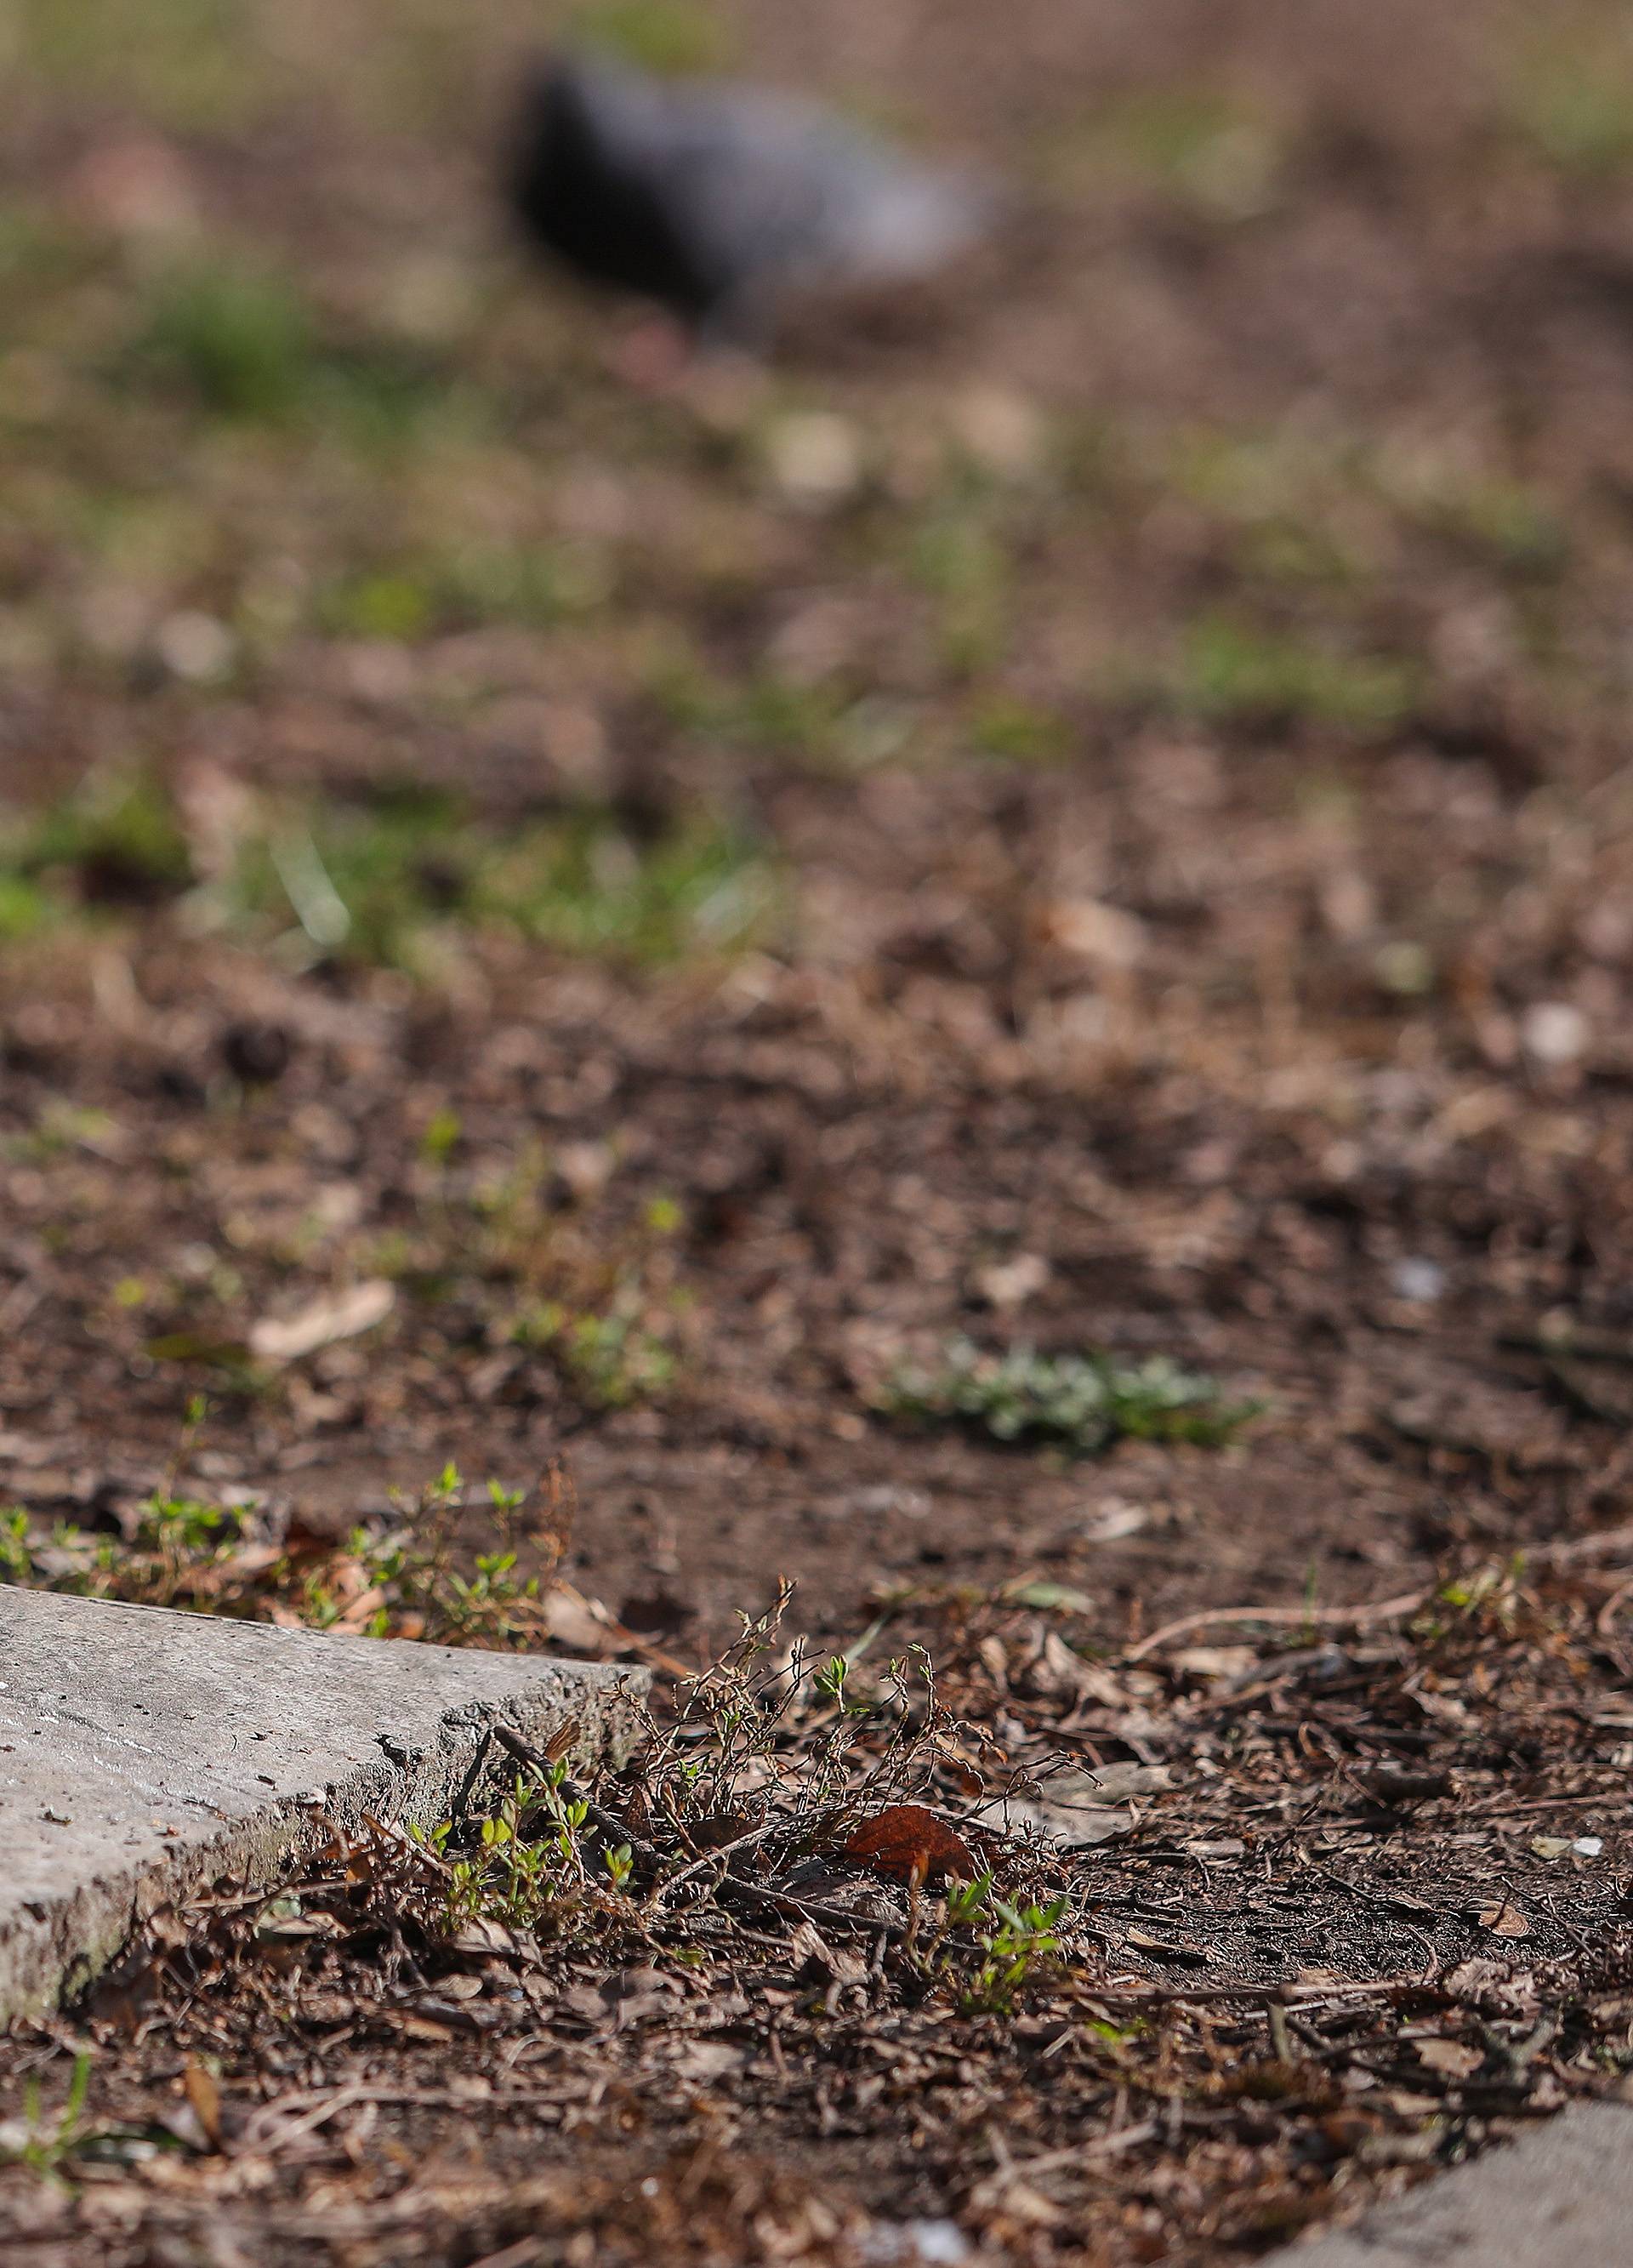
x=1579 y=1549
x=732 y=1887
x=1575 y=1551
x=1296 y=1617
x=1604 y=1620
x=1285 y=1996
x=715 y=1857
x=1011 y=2169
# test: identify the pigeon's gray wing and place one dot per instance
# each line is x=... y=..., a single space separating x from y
x=786 y=197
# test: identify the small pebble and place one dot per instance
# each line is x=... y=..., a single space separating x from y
x=1002 y=430
x=1006 y=1283
x=915 y=2245
x=1403 y=968
x=815 y=459
x=195 y=647
x=1554 y=1033
x=1417 y=1279
x=256 y=1053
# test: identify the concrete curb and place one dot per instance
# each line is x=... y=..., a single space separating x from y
x=145 y=1754
x=1559 y=2197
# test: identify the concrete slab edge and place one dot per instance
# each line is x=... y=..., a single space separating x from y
x=52 y=1952
x=1558 y=2195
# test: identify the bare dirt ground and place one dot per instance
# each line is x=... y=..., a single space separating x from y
x=583 y=934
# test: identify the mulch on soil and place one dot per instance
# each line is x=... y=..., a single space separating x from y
x=1260 y=1931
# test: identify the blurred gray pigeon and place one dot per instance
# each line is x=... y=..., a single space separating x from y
x=722 y=201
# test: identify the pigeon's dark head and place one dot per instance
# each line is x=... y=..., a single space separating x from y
x=552 y=148
x=555 y=130
x=583 y=184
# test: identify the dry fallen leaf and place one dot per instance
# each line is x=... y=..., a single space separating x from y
x=1079 y=1808
x=482 y=1934
x=808 y=1942
x=336 y=1316
x=576 y=1621
x=705 y=2059
x=1565 y=1846
x=1113 y=1518
x=1215 y=1660
x=1164 y=1948
x=1504 y=1920
x=1451 y=2057
x=362 y=1612
x=1094 y=932
x=1406 y=2104
x=1076 y=1826
x=1113 y=1783
x=906 y=1842
x=420 y=2027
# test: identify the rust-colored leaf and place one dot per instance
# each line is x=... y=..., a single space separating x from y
x=908 y=1843
x=204 y=2094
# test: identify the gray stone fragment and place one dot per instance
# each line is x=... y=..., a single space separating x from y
x=144 y=1753
x=1560 y=2197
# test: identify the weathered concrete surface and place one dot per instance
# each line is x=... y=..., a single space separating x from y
x=1561 y=2197
x=144 y=1753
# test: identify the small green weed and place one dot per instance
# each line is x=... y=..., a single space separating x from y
x=180 y=1547
x=527 y=1855
x=177 y=61
x=28 y=2142
x=774 y=711
x=611 y=1360
x=17 y=1554
x=1025 y=1936
x=414 y=1579
x=1503 y=520
x=671 y=36
x=1238 y=671
x=1019 y=732
x=1083 y=1402
x=537 y=584
x=1573 y=100
x=381 y=882
x=60 y=1128
x=428 y=1587
x=248 y=345
x=243 y=341
x=187 y=1528
x=969 y=571
x=385 y=604
x=1288 y=504
x=25 y=908
x=394 y=880
x=1202 y=145
x=115 y=842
